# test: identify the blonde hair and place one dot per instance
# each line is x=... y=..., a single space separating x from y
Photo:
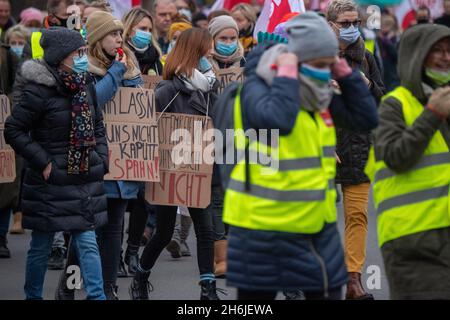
x=132 y=18
x=101 y=4
x=96 y=52
x=247 y=11
x=19 y=31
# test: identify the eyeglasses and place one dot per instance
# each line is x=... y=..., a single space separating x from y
x=439 y=51
x=347 y=24
x=82 y=52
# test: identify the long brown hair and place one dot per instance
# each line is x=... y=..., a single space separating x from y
x=191 y=45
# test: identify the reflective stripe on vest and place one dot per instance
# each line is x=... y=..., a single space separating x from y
x=36 y=49
x=416 y=200
x=370 y=45
x=290 y=187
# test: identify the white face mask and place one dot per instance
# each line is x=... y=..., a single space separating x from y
x=186 y=12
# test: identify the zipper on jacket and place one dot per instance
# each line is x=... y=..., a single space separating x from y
x=322 y=266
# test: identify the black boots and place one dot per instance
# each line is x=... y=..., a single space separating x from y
x=209 y=290
x=4 y=251
x=140 y=287
x=132 y=258
x=57 y=259
x=62 y=290
x=122 y=271
x=111 y=291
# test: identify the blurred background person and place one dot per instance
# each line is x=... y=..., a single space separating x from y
x=6 y=20
x=445 y=18
x=200 y=20
x=32 y=18
x=388 y=38
x=245 y=17
x=164 y=11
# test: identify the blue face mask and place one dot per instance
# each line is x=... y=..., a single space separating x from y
x=316 y=74
x=141 y=39
x=18 y=50
x=80 y=64
x=349 y=35
x=204 y=65
x=34 y=29
x=226 y=49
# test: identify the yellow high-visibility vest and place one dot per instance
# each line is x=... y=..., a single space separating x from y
x=36 y=49
x=417 y=200
x=299 y=196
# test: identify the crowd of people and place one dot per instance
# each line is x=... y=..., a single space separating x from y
x=360 y=108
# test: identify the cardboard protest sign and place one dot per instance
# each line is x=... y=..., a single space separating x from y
x=186 y=151
x=227 y=76
x=132 y=133
x=7 y=157
x=150 y=82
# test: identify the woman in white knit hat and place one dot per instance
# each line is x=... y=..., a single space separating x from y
x=228 y=51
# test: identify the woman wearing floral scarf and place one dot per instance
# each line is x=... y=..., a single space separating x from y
x=57 y=127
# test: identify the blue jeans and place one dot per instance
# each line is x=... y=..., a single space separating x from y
x=86 y=249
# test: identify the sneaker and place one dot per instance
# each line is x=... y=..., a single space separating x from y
x=184 y=248
x=174 y=248
x=56 y=260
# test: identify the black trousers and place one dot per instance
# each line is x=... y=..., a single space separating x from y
x=165 y=223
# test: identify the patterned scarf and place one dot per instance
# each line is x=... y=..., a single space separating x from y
x=82 y=138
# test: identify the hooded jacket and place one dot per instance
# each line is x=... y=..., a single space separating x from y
x=38 y=129
x=399 y=146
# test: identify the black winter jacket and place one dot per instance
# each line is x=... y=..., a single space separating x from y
x=353 y=146
x=38 y=129
x=188 y=102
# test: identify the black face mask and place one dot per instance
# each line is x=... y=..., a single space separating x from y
x=422 y=21
x=60 y=22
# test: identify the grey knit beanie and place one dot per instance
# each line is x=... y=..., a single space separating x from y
x=220 y=23
x=58 y=43
x=310 y=37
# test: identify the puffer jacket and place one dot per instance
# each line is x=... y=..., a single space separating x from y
x=38 y=129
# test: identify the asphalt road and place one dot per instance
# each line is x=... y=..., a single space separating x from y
x=175 y=279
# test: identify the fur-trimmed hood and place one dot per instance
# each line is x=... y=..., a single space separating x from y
x=38 y=71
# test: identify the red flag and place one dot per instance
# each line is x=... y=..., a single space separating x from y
x=229 y=4
x=274 y=11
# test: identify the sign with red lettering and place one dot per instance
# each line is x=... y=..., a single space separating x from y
x=132 y=133
x=7 y=157
x=150 y=82
x=186 y=158
x=227 y=76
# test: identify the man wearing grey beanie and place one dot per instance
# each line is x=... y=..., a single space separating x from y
x=288 y=88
